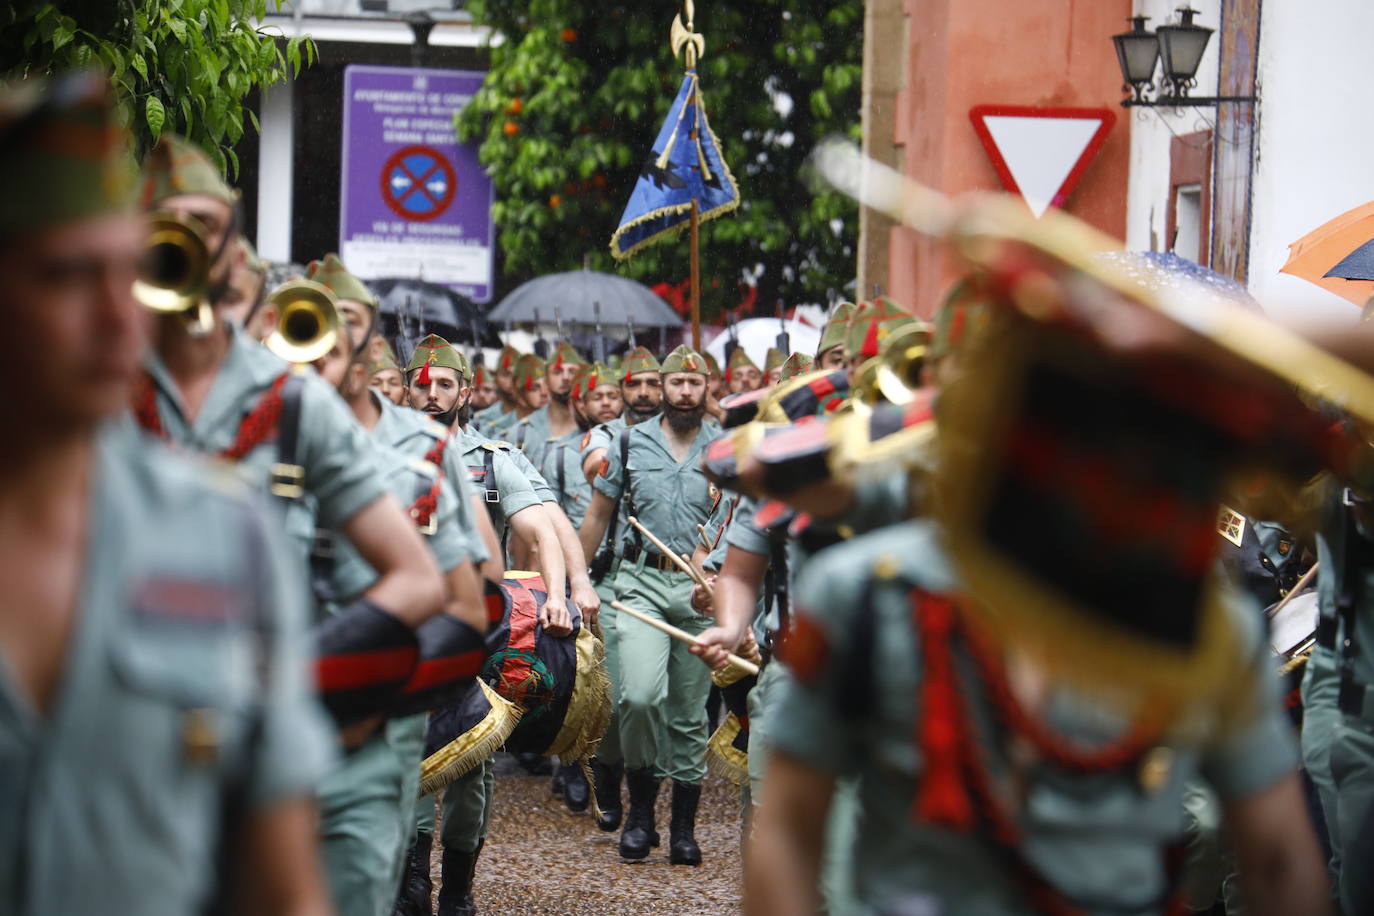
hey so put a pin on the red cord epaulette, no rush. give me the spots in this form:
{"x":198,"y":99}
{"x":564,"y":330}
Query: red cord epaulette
{"x":255,"y":428}
{"x":955,"y":790}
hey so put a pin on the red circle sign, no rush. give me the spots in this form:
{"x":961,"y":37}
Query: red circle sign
{"x":418,"y":183}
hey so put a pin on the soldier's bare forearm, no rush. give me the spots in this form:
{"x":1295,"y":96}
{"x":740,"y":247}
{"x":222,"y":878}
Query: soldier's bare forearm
{"x":782,"y":870}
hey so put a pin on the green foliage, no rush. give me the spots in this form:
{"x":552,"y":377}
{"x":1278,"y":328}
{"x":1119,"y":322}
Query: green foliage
{"x":578,"y":90}
{"x":178,"y":65}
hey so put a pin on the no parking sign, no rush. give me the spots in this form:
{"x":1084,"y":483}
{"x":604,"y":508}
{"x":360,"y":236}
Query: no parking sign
{"x":414,"y":201}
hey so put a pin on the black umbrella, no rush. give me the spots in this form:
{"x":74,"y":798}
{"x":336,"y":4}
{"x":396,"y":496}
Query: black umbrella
{"x":576,"y":297}
{"x":409,"y":309}
{"x":1358,"y":265}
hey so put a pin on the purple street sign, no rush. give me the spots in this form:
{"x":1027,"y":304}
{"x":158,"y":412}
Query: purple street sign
{"x":414,"y":201}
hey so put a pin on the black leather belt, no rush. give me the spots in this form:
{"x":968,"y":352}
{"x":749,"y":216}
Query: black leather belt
{"x":651,"y":558}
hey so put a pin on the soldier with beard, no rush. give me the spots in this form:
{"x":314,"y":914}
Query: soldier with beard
{"x":662,"y":686}
{"x":555,"y":418}
{"x":641,"y":397}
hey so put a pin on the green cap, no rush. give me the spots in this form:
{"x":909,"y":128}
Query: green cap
{"x":712,"y":364}
{"x":435,"y":351}
{"x":796,"y":364}
{"x":636,"y":361}
{"x":566,"y":355}
{"x":176,"y":166}
{"x":591,"y":377}
{"x":774,"y":359}
{"x":872,"y":323}
{"x":528,"y":369}
{"x":684,"y":359}
{"x":63,"y":156}
{"x":250,"y":257}
{"x":331,"y":272}
{"x":480,"y":375}
{"x":387,"y":360}
{"x":739,"y":359}
{"x":508,"y":358}
{"x":832,"y":335}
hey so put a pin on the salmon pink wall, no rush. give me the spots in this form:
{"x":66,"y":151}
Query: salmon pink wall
{"x":962,"y":53}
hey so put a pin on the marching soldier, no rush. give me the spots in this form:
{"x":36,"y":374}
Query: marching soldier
{"x":830,"y":351}
{"x":483,"y":389}
{"x":502,"y":410}
{"x":595,"y":399}
{"x":556,"y":417}
{"x":247,"y":285}
{"x":530,"y":393}
{"x":741,"y":373}
{"x":868,"y":326}
{"x":368,"y":803}
{"x":772,"y":366}
{"x":384,"y":375}
{"x":641,"y":398}
{"x":663,"y":688}
{"x":210,"y":389}
{"x":158,"y":739}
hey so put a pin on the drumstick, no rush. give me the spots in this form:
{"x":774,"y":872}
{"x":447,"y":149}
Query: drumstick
{"x":705,"y":540}
{"x":682,"y":564}
{"x":683,"y":636}
{"x":1302,"y":583}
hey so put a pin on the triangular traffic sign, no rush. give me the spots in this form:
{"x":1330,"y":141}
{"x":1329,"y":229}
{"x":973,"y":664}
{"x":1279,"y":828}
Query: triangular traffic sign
{"x":1041,"y":153}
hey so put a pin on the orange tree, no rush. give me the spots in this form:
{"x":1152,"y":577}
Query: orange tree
{"x":578,"y":90}
{"x":177,"y":65}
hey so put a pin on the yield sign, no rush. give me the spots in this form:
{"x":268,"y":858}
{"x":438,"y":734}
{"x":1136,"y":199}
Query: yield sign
{"x":1041,"y":153}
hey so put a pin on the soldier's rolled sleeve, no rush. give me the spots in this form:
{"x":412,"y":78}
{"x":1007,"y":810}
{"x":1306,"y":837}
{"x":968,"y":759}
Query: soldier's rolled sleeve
{"x":1256,"y":748}
{"x":599,"y":437}
{"x":811,"y":723}
{"x":513,"y":485}
{"x":296,"y":745}
{"x":742,"y":532}
{"x":611,"y":481}
{"x":536,"y":480}
{"x":340,"y":471}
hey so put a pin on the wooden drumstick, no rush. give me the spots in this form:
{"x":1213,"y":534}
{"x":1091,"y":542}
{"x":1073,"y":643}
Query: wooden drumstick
{"x":683,"y":636}
{"x":1301,"y":584}
{"x":705,"y":540}
{"x":668,"y":552}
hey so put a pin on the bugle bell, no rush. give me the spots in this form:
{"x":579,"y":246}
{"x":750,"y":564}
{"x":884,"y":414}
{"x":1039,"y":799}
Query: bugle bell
{"x":307,"y":321}
{"x":175,"y":275}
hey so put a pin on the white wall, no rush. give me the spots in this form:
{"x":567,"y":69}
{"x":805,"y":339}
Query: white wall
{"x":1316,"y":140}
{"x":1152,"y":129}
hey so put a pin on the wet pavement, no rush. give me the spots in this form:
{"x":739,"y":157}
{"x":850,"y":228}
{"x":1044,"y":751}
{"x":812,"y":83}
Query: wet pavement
{"x":541,"y":859}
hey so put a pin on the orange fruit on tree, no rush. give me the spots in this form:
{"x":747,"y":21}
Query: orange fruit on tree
{"x":510,"y":128}
{"x":516,"y":106}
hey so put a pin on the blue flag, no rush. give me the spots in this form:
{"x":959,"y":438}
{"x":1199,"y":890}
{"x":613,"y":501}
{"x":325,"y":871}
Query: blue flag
{"x":685,"y":163}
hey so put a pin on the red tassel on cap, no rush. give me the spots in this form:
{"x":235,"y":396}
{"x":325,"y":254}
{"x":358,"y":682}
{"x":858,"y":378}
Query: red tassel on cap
{"x":423,"y":378}
{"x":870,"y":347}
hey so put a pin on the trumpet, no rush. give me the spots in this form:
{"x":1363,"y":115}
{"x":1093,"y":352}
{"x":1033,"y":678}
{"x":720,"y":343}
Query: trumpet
{"x":894,"y":375}
{"x":307,"y":321}
{"x":175,"y":275}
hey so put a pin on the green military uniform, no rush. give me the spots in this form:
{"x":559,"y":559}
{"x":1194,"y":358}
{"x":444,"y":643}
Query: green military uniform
{"x":1338,"y":743}
{"x":531,"y":434}
{"x":855,"y":707}
{"x":171,"y":704}
{"x":670,"y":498}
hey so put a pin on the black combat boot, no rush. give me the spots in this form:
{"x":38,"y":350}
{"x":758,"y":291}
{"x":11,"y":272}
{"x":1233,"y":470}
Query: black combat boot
{"x":417,"y":890}
{"x":557,"y":784}
{"x":576,"y":792}
{"x":455,"y":893}
{"x":607,"y":777}
{"x":639,"y":835}
{"x":682,"y":841}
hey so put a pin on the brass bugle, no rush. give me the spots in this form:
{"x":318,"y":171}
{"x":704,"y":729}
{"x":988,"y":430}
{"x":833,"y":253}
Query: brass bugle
{"x":307,"y":321}
{"x":895,"y":373}
{"x":175,"y":275}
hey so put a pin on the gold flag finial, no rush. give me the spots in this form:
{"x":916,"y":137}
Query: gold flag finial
{"x":683,"y":36}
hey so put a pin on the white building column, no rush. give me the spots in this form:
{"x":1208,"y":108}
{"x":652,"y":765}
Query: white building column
{"x":275,"y":163}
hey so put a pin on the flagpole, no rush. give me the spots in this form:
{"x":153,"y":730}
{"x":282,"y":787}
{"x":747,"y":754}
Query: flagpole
{"x":696,"y":279}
